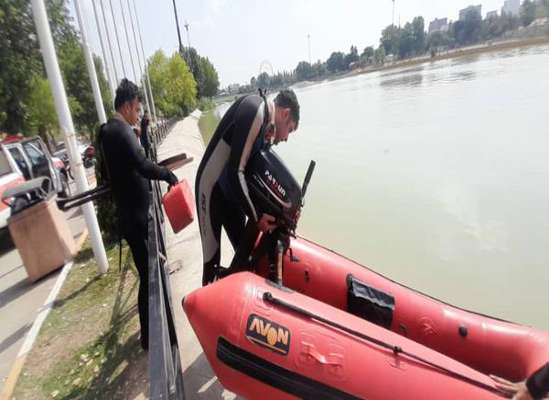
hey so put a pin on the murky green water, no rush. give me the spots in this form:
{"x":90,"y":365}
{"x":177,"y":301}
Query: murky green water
{"x":437,"y":176}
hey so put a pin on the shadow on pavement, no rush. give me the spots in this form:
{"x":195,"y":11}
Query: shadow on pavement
{"x":201,"y":383}
{"x":14,"y":337}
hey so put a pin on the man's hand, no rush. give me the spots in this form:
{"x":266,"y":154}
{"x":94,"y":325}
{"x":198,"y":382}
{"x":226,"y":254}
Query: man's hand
{"x":519,"y":391}
{"x":171,"y":178}
{"x":266,"y":223}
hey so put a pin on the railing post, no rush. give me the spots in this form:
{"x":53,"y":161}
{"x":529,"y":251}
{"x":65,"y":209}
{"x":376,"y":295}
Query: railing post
{"x":165,"y":374}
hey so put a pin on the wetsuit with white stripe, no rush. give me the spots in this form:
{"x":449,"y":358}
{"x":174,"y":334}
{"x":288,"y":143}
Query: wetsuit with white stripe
{"x":222,"y":195}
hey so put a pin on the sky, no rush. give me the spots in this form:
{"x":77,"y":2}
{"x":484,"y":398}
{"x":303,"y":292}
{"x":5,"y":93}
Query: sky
{"x":245,"y":37}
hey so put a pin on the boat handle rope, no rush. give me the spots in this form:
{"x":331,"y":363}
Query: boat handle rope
{"x":268,"y":297}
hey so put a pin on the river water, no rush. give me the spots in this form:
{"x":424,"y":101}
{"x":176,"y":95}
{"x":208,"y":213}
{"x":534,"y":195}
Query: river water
{"x":436,"y":176}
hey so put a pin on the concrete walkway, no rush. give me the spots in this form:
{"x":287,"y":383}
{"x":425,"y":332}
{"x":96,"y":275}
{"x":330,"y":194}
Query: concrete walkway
{"x":185,"y":262}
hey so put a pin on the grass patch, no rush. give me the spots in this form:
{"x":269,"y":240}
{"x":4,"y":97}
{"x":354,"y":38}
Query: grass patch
{"x":208,"y":123}
{"x":88,"y":347}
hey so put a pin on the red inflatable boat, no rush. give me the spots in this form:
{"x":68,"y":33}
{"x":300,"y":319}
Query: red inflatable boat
{"x":342,"y":331}
{"x":333,"y":329}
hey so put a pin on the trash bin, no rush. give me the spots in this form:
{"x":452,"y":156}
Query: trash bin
{"x":42,"y":237}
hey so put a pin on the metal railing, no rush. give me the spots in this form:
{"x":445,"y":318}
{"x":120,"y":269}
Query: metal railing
{"x":165,"y":374}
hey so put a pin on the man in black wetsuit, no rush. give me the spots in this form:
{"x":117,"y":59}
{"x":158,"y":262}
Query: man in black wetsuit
{"x":536,"y":387}
{"x":129,"y":171}
{"x":222,"y":196}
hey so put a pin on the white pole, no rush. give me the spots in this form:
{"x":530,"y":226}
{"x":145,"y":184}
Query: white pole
{"x":118,"y":40}
{"x":67,"y":127}
{"x":109,"y":42}
{"x":146,"y":65}
{"x":105,"y":59}
{"x":91,"y":67}
{"x":128,"y":40}
{"x":145,"y":91}
{"x":150,"y":91}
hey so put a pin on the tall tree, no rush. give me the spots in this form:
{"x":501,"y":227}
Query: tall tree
{"x":406,"y":43}
{"x":351,"y":57}
{"x":173,"y":84}
{"x":368,"y":55}
{"x":379,"y":55}
{"x":390,"y":38}
{"x":263,"y":80}
{"x":304,"y":71}
{"x":19,"y":62}
{"x":527,"y":12}
{"x":203,"y":72}
{"x":418,"y":30}
{"x":336,"y":62}
{"x":41,"y":116}
{"x":210,"y":84}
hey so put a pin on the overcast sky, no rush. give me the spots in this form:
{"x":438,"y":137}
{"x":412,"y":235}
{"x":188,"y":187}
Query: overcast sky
{"x":238,"y":35}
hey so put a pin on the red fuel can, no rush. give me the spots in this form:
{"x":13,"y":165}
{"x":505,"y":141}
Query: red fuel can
{"x":179,"y":205}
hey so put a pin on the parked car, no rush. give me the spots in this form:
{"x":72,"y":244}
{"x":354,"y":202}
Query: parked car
{"x":87,"y":154}
{"x":33,"y":159}
{"x":10,"y":176}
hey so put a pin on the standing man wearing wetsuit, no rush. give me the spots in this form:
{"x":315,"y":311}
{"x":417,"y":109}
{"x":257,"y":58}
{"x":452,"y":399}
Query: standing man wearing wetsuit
{"x":129,"y":172}
{"x":222,"y":196}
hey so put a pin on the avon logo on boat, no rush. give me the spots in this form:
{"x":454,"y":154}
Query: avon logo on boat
{"x":274,"y":183}
{"x":268,"y":334}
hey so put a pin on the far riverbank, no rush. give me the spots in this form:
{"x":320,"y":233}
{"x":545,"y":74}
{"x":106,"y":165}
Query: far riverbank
{"x":455,"y":53}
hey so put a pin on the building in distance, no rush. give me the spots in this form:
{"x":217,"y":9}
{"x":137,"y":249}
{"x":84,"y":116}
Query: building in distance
{"x":492,"y":14}
{"x":511,"y":7}
{"x":471,"y":9}
{"x":438,"y":25}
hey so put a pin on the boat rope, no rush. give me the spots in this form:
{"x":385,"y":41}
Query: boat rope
{"x":397,"y":350}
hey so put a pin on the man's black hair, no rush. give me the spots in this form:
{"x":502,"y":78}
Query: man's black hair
{"x":127,"y":91}
{"x":287,"y":99}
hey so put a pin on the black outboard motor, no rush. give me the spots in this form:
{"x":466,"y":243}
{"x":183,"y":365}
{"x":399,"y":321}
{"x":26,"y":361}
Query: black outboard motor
{"x":274,"y":191}
{"x":273,"y":188}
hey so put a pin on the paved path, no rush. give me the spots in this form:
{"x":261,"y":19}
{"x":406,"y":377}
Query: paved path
{"x":20,"y":300}
{"x":185,"y":262}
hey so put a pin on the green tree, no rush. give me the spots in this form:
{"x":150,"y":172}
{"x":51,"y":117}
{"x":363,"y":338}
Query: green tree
{"x":22,"y":61}
{"x":336,"y":62}
{"x":390,"y":38}
{"x":173,"y":85}
{"x":304,"y":71}
{"x":418,"y":31}
{"x":379,"y":55}
{"x":77,"y":84}
{"x":203,"y":72}
{"x":41,"y":117}
{"x":210,"y":85}
{"x":406,"y":43}
{"x":496,"y":27}
{"x":527,"y":12}
{"x":437,"y":40}
{"x":368,"y":55}
{"x":19,"y":63}
{"x":263,"y":80}
{"x":319,"y":69}
{"x":103,"y":86}
{"x":351,"y":57}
